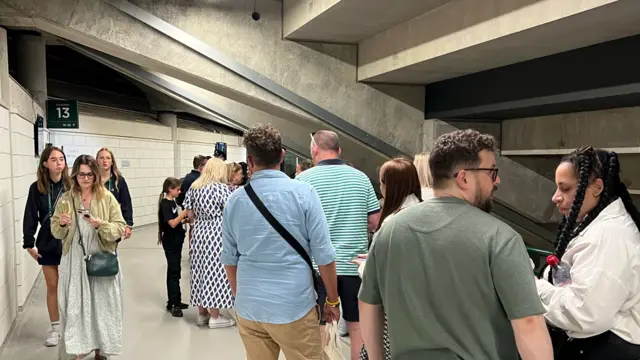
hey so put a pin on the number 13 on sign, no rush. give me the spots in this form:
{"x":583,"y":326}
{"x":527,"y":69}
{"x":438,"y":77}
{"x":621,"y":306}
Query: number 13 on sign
{"x":63,"y":112}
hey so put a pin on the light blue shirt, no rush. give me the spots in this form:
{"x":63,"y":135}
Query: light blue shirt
{"x":274,"y":284}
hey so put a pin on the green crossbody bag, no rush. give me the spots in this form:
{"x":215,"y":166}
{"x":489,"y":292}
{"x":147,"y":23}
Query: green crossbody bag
{"x":103,"y":264}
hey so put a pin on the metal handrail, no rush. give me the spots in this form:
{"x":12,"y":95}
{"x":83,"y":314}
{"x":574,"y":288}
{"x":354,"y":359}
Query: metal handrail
{"x":535,"y":251}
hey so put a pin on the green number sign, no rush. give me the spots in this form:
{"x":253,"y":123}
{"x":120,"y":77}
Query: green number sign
{"x":62,"y":114}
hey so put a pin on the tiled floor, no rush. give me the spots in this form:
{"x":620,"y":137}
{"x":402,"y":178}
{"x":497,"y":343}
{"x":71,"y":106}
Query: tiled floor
{"x":149,"y":331}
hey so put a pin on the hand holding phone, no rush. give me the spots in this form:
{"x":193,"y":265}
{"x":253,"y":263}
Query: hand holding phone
{"x":86,"y":215}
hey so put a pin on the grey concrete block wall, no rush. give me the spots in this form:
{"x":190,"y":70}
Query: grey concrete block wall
{"x":605,"y":128}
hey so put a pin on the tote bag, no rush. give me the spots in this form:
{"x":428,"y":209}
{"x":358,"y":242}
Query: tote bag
{"x":331,"y":349}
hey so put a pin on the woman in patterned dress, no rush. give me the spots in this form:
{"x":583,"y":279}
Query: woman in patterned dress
{"x":205,"y":201}
{"x":400,"y":187}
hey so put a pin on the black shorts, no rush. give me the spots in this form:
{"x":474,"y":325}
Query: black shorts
{"x":348,"y":288}
{"x":49,"y":259}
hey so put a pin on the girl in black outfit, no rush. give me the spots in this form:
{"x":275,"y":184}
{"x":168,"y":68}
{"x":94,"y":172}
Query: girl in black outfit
{"x":115,"y":183}
{"x":171,"y":234}
{"x":52,"y":181}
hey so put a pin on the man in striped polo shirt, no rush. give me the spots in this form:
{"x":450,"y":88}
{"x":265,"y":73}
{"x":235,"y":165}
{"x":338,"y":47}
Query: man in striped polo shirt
{"x":352,"y":209}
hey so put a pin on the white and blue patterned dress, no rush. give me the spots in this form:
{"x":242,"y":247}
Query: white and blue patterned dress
{"x":209,"y":284}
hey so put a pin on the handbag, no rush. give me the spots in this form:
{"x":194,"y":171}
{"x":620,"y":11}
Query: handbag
{"x":331,"y":347}
{"x":286,"y":235}
{"x":103,"y":264}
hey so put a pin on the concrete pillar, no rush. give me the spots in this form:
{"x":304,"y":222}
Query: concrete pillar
{"x":32,"y":70}
{"x":170,"y":119}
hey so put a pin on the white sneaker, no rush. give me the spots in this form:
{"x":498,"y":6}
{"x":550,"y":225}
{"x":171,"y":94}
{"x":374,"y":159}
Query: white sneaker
{"x":203,"y":319}
{"x":53,"y":339}
{"x":220,"y":322}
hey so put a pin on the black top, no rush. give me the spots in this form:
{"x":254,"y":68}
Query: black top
{"x":121,"y":193}
{"x":168,"y":211}
{"x":186,"y":185}
{"x":38,"y":210}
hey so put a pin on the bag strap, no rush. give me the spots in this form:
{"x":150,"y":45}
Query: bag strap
{"x":286,"y":235}
{"x":75,"y":213}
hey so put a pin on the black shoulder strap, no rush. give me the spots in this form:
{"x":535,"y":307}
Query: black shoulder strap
{"x":277,"y":226}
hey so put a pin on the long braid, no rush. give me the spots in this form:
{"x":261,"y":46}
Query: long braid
{"x":621,"y":189}
{"x":564,"y":237}
{"x":608,"y":195}
{"x":583,"y":165}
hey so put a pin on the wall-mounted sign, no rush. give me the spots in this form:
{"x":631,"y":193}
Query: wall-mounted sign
{"x":220,"y":151}
{"x":62,"y":114}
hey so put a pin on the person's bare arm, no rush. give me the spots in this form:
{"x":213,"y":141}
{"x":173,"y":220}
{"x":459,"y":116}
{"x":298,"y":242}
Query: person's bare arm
{"x":372,"y":221}
{"x":330,"y":280}
{"x":231,"y":275}
{"x":532,"y":338}
{"x":371,"y":325}
{"x":176,"y":221}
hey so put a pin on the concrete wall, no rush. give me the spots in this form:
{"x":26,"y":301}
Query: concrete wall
{"x":8,"y":288}
{"x":144,"y":151}
{"x":323,"y":73}
{"x":194,"y":142}
{"x":18,"y":271}
{"x":24,"y":164}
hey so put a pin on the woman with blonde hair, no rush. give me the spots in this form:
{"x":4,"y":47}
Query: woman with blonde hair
{"x":235,"y":174}
{"x":89,"y":221}
{"x":113,"y":180}
{"x":421,"y":162}
{"x":205,"y":202}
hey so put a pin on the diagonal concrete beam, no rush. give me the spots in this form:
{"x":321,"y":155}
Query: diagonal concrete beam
{"x":237,"y":115}
{"x":323,"y":74}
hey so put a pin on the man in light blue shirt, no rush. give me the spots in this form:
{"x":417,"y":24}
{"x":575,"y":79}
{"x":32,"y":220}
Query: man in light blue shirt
{"x":272,"y":283}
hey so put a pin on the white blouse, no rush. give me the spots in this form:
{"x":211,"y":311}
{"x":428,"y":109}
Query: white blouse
{"x":604,"y":292}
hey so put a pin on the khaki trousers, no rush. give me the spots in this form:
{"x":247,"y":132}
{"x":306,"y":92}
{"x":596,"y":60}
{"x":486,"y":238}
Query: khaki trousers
{"x":299,"y":340}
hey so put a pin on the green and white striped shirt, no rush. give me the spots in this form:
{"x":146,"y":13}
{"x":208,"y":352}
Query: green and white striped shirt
{"x":347,"y":199}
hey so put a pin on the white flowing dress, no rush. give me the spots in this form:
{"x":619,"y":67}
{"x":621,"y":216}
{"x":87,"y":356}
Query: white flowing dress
{"x":90,"y":307}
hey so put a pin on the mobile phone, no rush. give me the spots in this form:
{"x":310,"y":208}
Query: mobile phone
{"x":85,"y":213}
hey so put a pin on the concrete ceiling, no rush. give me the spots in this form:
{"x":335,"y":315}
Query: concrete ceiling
{"x":467,"y":36}
{"x":348,"y":21}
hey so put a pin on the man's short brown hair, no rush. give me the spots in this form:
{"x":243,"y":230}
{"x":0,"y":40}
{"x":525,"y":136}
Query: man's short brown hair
{"x":461,"y":147}
{"x":264,"y":144}
{"x":199,"y":160}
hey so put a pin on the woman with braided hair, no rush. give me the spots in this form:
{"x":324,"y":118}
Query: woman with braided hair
{"x":591,"y":289}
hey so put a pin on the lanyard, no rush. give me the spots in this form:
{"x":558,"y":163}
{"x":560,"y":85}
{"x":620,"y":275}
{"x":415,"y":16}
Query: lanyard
{"x":110,"y":184}
{"x":53,"y":206}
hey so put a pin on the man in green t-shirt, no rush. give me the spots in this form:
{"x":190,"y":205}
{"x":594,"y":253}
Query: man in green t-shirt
{"x":455,"y":282}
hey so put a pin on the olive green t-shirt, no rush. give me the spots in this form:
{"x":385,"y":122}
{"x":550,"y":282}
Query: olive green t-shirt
{"x":450,"y":278}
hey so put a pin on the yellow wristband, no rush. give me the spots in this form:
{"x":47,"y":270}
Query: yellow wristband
{"x":334,"y":304}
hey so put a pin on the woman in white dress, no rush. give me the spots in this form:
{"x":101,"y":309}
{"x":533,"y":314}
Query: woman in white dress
{"x":88,"y":220}
{"x":205,"y":202}
{"x":400,"y":187}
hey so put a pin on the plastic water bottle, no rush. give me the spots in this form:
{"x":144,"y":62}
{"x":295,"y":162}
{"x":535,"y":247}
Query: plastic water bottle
{"x":561,"y":273}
